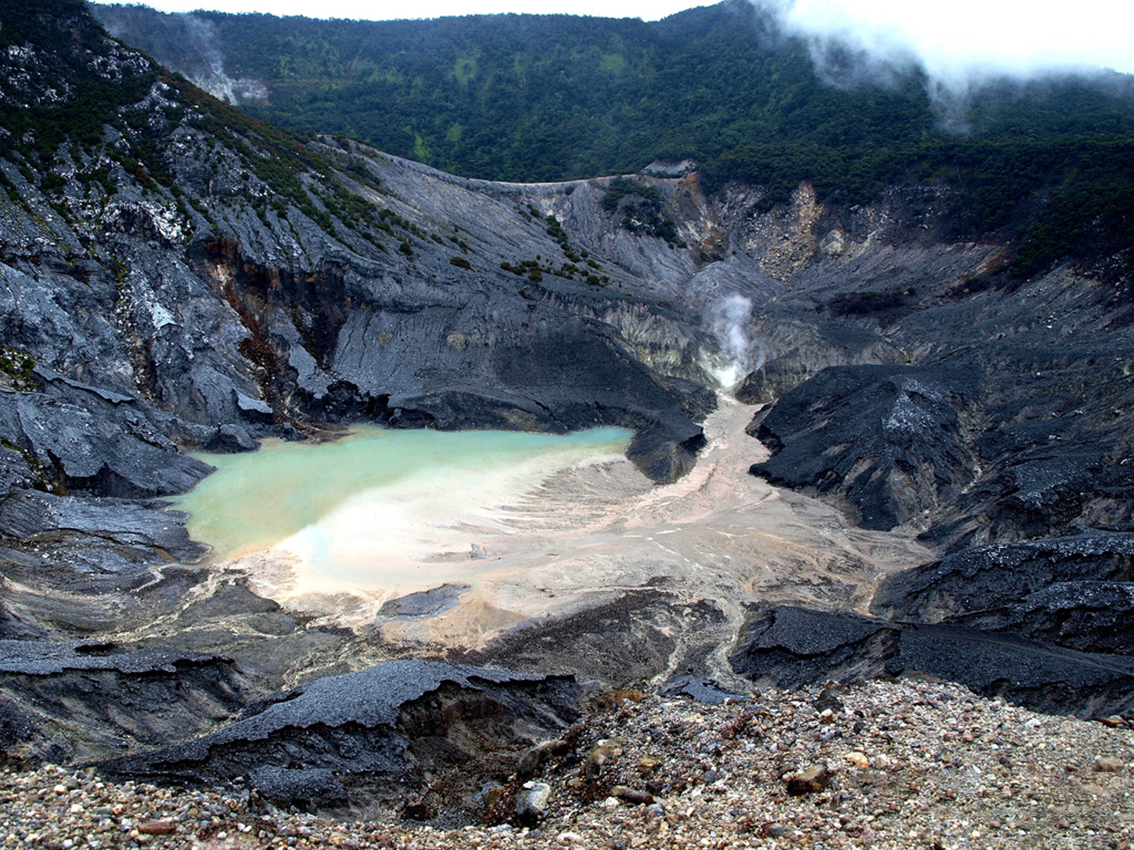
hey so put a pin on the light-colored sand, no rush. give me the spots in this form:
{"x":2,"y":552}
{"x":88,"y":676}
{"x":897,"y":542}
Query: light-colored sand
{"x":586,"y":534}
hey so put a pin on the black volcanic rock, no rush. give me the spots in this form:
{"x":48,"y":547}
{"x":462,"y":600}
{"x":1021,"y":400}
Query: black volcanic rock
{"x":1075,"y":591}
{"x":364,"y":739}
{"x":888,"y":440}
{"x":81,"y":698}
{"x":790,"y":646}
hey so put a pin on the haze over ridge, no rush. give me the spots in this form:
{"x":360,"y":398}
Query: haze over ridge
{"x":953,"y":43}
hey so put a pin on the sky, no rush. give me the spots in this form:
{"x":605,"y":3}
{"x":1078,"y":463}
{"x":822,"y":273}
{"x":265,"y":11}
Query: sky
{"x":953,"y":38}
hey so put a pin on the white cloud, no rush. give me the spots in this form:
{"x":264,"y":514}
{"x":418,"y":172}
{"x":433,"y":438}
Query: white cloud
{"x":958,"y":38}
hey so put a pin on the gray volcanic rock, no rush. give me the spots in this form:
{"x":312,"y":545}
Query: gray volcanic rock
{"x":368,"y":739}
{"x":13,"y":626}
{"x":45,"y":658}
{"x":628,"y":638}
{"x":102,"y":698}
{"x":1075,"y":591}
{"x":127,"y":522}
{"x":888,"y":439}
{"x":789,"y":646}
{"x":96,"y":439}
{"x":424,"y":603}
{"x":699,"y":690}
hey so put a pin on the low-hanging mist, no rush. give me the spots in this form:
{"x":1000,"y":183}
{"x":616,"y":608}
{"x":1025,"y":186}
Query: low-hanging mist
{"x":969,"y":41}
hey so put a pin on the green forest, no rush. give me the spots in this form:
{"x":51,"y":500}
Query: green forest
{"x":556,"y":97}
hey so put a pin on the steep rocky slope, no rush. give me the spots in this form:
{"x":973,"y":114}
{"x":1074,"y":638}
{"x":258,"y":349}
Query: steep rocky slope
{"x":185,"y":278}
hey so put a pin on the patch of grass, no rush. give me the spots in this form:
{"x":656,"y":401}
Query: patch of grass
{"x":17,"y":366}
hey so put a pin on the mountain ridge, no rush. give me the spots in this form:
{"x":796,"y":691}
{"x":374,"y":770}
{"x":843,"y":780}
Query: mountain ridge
{"x":552,"y":97}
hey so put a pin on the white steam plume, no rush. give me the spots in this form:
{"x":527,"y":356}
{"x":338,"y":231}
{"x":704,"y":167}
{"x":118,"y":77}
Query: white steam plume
{"x":738,"y":354}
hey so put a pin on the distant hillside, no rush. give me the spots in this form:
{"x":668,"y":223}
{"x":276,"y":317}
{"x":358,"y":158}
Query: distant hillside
{"x":528,"y":98}
{"x":525,"y":97}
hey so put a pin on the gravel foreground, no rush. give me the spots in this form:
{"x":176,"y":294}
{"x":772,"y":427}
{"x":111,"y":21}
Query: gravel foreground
{"x":880,"y":765}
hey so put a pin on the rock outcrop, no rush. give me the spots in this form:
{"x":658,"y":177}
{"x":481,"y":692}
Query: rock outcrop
{"x":1075,"y":591}
{"x":402,"y":733}
{"x":789,"y":646}
{"x":889,"y":440}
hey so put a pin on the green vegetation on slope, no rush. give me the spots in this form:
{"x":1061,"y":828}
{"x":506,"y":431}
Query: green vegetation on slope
{"x":101,"y":79}
{"x":521,"y":97}
{"x":84,"y":113}
{"x":1060,"y":196}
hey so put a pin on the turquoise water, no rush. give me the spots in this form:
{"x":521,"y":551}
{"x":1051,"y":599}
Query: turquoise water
{"x":375,"y":493}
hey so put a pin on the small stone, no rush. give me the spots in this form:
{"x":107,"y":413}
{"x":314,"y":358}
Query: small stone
{"x":1108,"y":764}
{"x":569,"y":838}
{"x":532,"y":802}
{"x":809,"y":781}
{"x":493,"y":794}
{"x":632,"y":795}
{"x":538,"y":755}
{"x":857,"y":759}
{"x":647,"y":764}
{"x":157,"y":827}
{"x":600,"y":754}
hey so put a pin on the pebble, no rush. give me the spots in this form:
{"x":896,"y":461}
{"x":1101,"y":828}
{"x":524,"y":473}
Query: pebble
{"x":532,"y":801}
{"x":157,"y":827}
{"x":810,"y":780}
{"x":901,"y":776}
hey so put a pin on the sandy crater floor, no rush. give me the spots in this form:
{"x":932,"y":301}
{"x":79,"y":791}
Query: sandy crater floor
{"x":582,"y":535}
